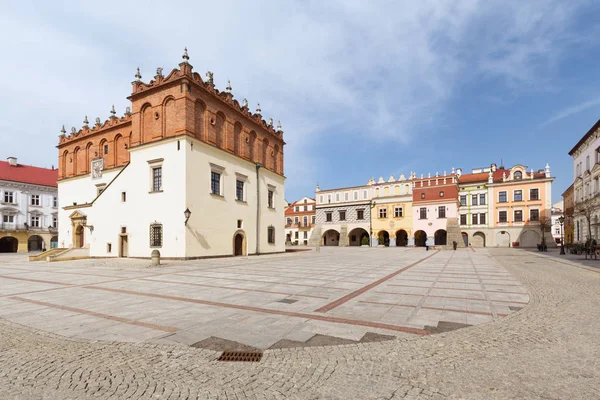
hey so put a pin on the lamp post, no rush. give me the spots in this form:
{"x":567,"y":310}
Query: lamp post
{"x":371,"y":205}
{"x":187,"y":213}
{"x":561,"y":220}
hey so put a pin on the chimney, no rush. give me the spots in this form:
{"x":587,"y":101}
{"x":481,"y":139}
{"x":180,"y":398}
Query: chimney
{"x":12,"y":161}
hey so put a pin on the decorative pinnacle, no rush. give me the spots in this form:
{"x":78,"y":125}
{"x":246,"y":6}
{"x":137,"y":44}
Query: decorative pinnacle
{"x":98,"y":121}
{"x":185,"y":56}
{"x":210,"y":78}
{"x":159,"y":71}
{"x":85,"y":121}
{"x":258,"y":110}
{"x":73,"y":130}
{"x":112,"y":111}
{"x":138,"y":76}
{"x":279,"y":126}
{"x":228,"y":88}
{"x":245,"y":103}
{"x":63,"y":130}
{"x":127,"y":110}
{"x":271,"y":122}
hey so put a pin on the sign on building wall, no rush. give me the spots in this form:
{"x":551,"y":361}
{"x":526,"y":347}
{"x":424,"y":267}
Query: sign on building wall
{"x":97,"y":167}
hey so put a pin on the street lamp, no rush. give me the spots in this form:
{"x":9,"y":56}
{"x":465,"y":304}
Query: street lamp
{"x":187,"y":213}
{"x":561,"y":220}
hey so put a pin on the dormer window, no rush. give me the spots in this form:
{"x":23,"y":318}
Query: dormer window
{"x":518,"y":175}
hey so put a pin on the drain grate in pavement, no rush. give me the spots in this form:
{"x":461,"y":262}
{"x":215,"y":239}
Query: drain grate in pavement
{"x":251,"y":356}
{"x":287,"y":301}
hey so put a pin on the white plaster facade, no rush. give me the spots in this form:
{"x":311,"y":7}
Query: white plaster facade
{"x":118,"y":220}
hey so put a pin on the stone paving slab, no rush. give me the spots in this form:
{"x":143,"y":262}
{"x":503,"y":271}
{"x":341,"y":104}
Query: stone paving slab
{"x":259,"y":301}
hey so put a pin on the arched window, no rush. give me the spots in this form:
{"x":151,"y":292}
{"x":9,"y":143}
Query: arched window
{"x":518,"y":175}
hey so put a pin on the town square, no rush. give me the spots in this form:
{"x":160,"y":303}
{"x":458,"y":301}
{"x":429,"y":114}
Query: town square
{"x":334,"y":200}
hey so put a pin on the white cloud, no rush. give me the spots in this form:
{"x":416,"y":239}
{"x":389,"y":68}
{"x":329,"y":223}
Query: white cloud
{"x":386,"y":71}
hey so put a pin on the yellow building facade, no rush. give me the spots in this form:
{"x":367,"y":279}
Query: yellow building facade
{"x":391,"y":213}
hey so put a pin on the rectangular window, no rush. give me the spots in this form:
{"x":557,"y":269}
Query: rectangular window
{"x":534,"y":215}
{"x":518,"y":195}
{"x":271,"y":235}
{"x":423,"y":213}
{"x":383,"y":212}
{"x":156,"y":179}
{"x":9,"y":197}
{"x":314,"y":219}
{"x":346,"y":196}
{"x":123,"y":197}
{"x":156,"y":235}
{"x":355,"y":195}
{"x":481,"y":219}
{"x":55,"y":222}
{"x":534,"y":194}
{"x":502,"y":216}
{"x":342,"y":215}
{"x":105,"y":149}
{"x":329,"y":216}
{"x":463,"y":200}
{"x":35,"y":199}
{"x":365,"y":194}
{"x":296,"y":235}
{"x":518,"y":216}
{"x":474,"y":219}
{"x":55,"y":202}
{"x":239,"y":190}
{"x":305,"y":220}
{"x":337,"y":197}
{"x":360,"y":214}
{"x":108,"y":247}
{"x":482,"y":199}
{"x":474,"y":200}
{"x":398,"y":212}
{"x":328,"y":199}
{"x":296,"y":209}
{"x":442,"y":212}
{"x":321,"y":199}
{"x":502,"y":197}
{"x":270,"y":197}
{"x":463,"y":219}
{"x":8,"y":219}
{"x":240,"y":223}
{"x":296,"y":220}
{"x":35,"y":221}
{"x":215,"y":183}
{"x":305,"y":235}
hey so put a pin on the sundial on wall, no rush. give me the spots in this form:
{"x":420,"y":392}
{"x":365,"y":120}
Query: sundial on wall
{"x":97,"y":167}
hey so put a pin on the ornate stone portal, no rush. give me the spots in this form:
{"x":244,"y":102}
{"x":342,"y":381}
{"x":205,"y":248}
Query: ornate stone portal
{"x":78,"y":224}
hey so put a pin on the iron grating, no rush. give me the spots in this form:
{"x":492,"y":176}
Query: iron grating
{"x":251,"y":356}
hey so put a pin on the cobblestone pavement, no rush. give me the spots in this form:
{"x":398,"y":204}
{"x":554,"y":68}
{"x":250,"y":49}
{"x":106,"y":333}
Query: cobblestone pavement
{"x":547,"y":350}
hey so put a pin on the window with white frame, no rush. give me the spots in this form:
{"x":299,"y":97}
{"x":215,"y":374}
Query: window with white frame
{"x":474,"y":219}
{"x":55,"y":202}
{"x":360,"y":214}
{"x":463,"y":200}
{"x":398,"y":212}
{"x":355,"y":195}
{"x":215,"y":183}
{"x":482,"y":219}
{"x":271,"y":234}
{"x":342,"y":215}
{"x":502,"y":216}
{"x":474,"y":200}
{"x":518,"y":195}
{"x":534,"y":194}
{"x":296,"y":209}
{"x":9,"y":197}
{"x":271,"y":198}
{"x":157,"y":179}
{"x":35,"y":199}
{"x":482,"y":199}
{"x":423,"y":213}
{"x":329,"y":216}
{"x":305,"y":235}
{"x":239,"y":190}
{"x":365,"y":194}
{"x":442,"y":212}
{"x":329,"y":198}
{"x":314,"y":219}
{"x":35,"y":221}
{"x":296,"y":220}
{"x":383,"y":212}
{"x":289,"y":221}
{"x":156,"y":235}
{"x":346,"y":196}
{"x":337,"y":197}
{"x":534,"y":215}
{"x":54,"y":221}
{"x":502,"y":197}
{"x":518,"y":216}
{"x":321,"y":199}
{"x":8,"y":219}
{"x":305,"y":220}
{"x":463,"y":219}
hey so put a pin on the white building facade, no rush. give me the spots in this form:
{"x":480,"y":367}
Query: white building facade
{"x":197,"y":176}
{"x":586,"y":187}
{"x":28,"y":207}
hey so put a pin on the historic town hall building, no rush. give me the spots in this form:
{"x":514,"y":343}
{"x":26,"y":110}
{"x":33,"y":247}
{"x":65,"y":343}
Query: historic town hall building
{"x":187,"y":170}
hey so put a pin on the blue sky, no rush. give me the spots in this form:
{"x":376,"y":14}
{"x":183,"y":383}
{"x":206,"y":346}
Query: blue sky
{"x":362,"y":89}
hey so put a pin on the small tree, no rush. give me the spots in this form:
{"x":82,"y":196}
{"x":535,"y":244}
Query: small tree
{"x":545,"y":226}
{"x":365,"y":241}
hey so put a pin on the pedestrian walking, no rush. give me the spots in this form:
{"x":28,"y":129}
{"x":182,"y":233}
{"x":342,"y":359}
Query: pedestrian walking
{"x":427,"y":244}
{"x":454,"y":244}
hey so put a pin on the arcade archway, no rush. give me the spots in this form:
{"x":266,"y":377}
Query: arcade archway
{"x":420,"y":238}
{"x":401,"y":238}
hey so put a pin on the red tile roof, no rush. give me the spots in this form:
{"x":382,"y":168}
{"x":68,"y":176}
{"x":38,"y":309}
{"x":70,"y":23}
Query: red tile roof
{"x":28,"y":174}
{"x":469,"y":178}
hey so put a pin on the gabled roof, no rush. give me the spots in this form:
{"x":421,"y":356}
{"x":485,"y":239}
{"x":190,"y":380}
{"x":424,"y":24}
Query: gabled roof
{"x":28,"y":174}
{"x":585,"y":137}
{"x":471,"y":178}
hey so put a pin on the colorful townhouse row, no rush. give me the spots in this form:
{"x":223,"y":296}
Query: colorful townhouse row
{"x":489,"y":207}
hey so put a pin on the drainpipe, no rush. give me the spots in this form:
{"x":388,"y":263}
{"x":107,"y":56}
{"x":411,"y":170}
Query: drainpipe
{"x":258,"y":165}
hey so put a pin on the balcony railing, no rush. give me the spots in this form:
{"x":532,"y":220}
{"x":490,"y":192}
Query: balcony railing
{"x":299,"y":225}
{"x":7,"y":226}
